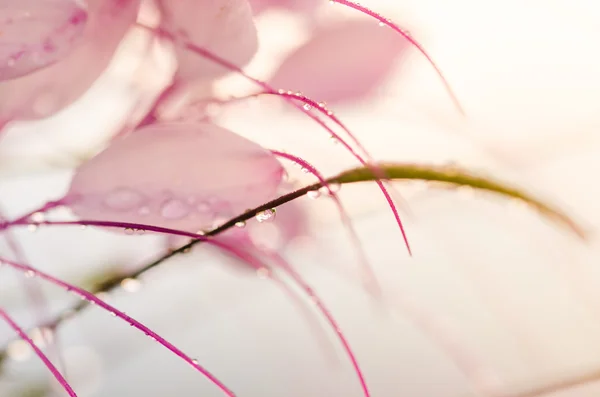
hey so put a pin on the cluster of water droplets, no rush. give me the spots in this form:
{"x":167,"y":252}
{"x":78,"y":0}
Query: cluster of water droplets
{"x":168,"y":205}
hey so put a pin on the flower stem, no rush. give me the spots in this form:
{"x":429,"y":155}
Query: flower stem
{"x":452,"y":176}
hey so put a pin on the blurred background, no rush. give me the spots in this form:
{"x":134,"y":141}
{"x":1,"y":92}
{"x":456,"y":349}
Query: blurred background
{"x":495,"y":301}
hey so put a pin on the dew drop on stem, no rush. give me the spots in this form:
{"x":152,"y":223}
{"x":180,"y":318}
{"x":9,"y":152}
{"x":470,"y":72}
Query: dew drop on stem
{"x":266,"y":215}
{"x":313,"y":194}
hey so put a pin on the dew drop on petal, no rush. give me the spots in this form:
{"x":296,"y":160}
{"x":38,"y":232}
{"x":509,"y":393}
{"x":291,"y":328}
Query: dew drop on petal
{"x":175,"y":209}
{"x":123,"y":199}
{"x":35,"y":34}
{"x":163,"y":165}
{"x":203,"y":207}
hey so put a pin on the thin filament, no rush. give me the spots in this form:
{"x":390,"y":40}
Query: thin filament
{"x":258,"y":265}
{"x":289,"y":270}
{"x":346,"y":221}
{"x":23,"y":335}
{"x":116,"y":312}
{"x":376,"y":170}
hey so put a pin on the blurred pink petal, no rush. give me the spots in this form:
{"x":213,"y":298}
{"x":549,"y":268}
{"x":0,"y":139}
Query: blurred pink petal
{"x":341,"y":62}
{"x":259,"y":6}
{"x":224,"y":27}
{"x":178,"y":175}
{"x":35,"y":34}
{"x":46,"y":91}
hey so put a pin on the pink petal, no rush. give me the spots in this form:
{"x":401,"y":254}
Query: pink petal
{"x":50,"y":89}
{"x":178,"y":175}
{"x":224,"y":27}
{"x":341,"y":62}
{"x":35,"y":34}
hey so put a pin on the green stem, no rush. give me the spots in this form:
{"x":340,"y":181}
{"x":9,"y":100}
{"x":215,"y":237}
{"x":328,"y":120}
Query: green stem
{"x":451,"y":176}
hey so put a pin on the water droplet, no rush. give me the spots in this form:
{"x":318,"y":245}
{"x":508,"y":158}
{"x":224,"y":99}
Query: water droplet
{"x":266,"y":215}
{"x":240,"y":224}
{"x":263,"y":272}
{"x":129,"y":231}
{"x":32,"y":228}
{"x":123,"y":199}
{"x":83,"y":227}
{"x":38,"y":217}
{"x":194,"y":361}
{"x":313,"y":194}
{"x":381,"y":24}
{"x":174,"y":209}
{"x":307,"y":106}
{"x":203,"y":207}
{"x":334,"y":138}
{"x":29,"y":274}
{"x":131,"y":285}
{"x":113,"y":314}
{"x":19,"y":350}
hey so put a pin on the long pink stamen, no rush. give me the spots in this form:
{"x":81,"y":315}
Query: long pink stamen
{"x":33,"y":291}
{"x":411,"y":40}
{"x":255,"y":263}
{"x":23,"y":335}
{"x":346,"y":221}
{"x":289,"y":270}
{"x":117,"y":313}
{"x":376,"y":170}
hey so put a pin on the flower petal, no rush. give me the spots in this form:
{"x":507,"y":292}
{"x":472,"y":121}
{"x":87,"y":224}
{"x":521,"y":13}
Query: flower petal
{"x":48,"y":90}
{"x":224,"y":27}
{"x":345,"y":61}
{"x":179,"y":175}
{"x":35,"y":34}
